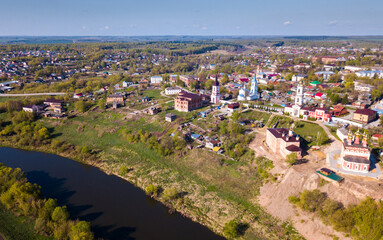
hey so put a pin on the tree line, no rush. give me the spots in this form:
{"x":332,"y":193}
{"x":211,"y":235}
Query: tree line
{"x":25,"y":199}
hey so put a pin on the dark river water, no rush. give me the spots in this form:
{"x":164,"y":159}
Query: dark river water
{"x":115,"y":208}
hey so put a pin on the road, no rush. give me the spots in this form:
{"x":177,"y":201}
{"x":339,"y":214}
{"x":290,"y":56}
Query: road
{"x":31,"y":94}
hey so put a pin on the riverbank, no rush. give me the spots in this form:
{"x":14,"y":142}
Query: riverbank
{"x":213,"y":190}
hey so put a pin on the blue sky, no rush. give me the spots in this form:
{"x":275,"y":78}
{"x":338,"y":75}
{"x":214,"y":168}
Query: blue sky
{"x":195,"y":17}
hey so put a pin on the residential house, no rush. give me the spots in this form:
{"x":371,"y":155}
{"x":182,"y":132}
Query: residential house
{"x":115,"y":98}
{"x":298,"y":77}
{"x":173,"y":78}
{"x":364,"y":115}
{"x":188,"y":79}
{"x":339,"y":110}
{"x":212,"y":143}
{"x":361,"y":87}
{"x":156,"y":80}
{"x":172,"y":90}
{"x":233,"y":106}
{"x":170,"y":117}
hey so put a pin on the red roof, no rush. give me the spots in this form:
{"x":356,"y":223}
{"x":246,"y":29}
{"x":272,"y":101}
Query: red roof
{"x":318,"y":94}
{"x":293,"y":148}
{"x":365,"y":111}
{"x":378,"y":135}
{"x":244,"y":80}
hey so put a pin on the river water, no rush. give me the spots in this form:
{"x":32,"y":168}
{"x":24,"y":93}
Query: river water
{"x":116,"y":209}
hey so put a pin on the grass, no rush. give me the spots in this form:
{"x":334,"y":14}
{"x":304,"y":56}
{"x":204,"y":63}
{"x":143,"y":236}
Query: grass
{"x":333,"y":132}
{"x":283,"y":122}
{"x":15,"y":228}
{"x":256,"y":116}
{"x":216,"y":190}
{"x":310,"y":131}
{"x":154,"y":94}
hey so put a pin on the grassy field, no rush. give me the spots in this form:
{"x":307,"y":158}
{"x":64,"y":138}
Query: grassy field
{"x":17,"y":228}
{"x":256,"y":115}
{"x":310,"y":131}
{"x":154,"y":94}
{"x":283,"y":122}
{"x":215,"y":189}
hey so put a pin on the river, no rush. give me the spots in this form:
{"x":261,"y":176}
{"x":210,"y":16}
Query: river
{"x":116,"y":208}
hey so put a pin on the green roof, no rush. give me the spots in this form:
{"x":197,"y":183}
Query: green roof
{"x":332,"y":176}
{"x":315,"y":82}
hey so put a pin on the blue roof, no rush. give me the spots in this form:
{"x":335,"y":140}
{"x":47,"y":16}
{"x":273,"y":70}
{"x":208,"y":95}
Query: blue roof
{"x":195,"y":135}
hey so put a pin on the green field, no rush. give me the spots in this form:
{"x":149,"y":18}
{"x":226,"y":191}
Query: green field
{"x":221,"y":189}
{"x":154,"y":94}
{"x":312,"y":133}
{"x":283,"y":122}
{"x":256,"y":116}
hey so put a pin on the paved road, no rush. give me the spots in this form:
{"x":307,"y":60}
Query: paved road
{"x":30,"y":94}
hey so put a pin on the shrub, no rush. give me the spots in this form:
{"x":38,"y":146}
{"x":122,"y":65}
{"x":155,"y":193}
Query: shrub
{"x":231,"y":229}
{"x":170,"y":194}
{"x":151,"y":190}
{"x":292,"y":158}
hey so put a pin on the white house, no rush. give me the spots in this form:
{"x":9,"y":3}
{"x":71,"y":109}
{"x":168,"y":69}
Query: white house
{"x":126,"y":84}
{"x":353,"y":68}
{"x":156,"y":79}
{"x":363,"y":87}
{"x":298,"y":77}
{"x":370,"y":74}
{"x":172,"y":90}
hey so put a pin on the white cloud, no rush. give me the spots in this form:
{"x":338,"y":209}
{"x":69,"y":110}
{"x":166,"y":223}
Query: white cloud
{"x":83,"y":27}
{"x":238,"y":27}
{"x":204,"y":27}
{"x":106,"y":27}
{"x":332,"y":23}
{"x":286,"y":23}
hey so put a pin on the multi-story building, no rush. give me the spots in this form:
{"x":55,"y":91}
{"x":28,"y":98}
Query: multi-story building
{"x":156,"y":79}
{"x":186,"y":102}
{"x":364,"y":115}
{"x":172,"y":90}
{"x":283,"y":141}
{"x":188,"y":79}
{"x":115,"y":99}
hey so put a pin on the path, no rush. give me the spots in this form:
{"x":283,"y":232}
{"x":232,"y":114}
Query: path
{"x":30,"y":94}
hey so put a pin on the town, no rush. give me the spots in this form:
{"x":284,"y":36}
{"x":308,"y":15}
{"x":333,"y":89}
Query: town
{"x":231,"y":117}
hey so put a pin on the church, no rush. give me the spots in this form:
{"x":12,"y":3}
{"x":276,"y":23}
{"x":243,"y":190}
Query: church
{"x":299,"y":110}
{"x":356,"y":153}
{"x":244,"y":94}
{"x":215,"y":94}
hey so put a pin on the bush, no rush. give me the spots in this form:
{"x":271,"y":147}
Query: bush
{"x":170,"y":194}
{"x":291,"y":159}
{"x":151,"y":190}
{"x":231,"y":229}
{"x":123,"y":170}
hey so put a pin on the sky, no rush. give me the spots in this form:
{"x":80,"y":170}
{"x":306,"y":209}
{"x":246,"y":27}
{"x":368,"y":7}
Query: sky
{"x":193,"y":17}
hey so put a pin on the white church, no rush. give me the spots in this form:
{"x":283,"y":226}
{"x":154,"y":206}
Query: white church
{"x":244,"y":94}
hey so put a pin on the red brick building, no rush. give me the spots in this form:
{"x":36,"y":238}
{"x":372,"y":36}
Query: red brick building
{"x":283,"y":141}
{"x":186,"y":102}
